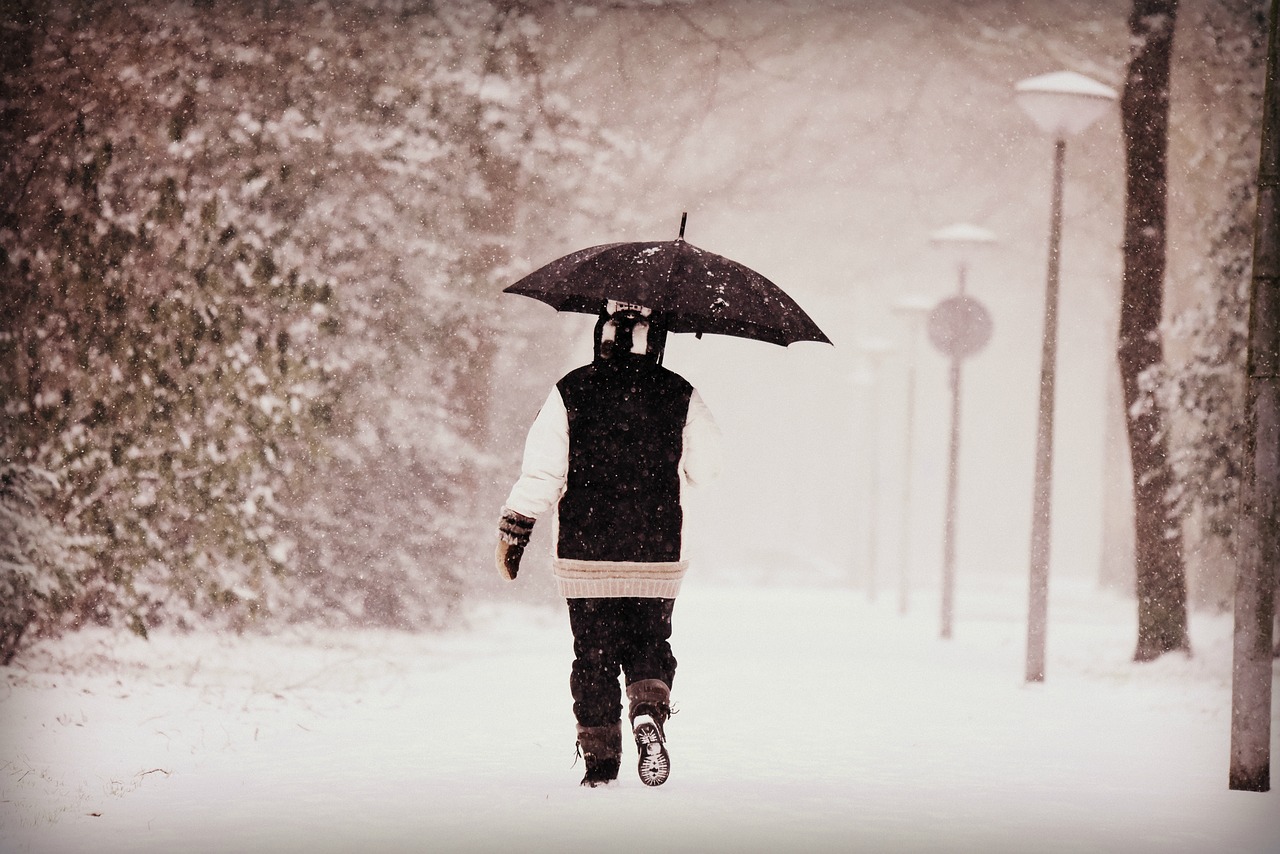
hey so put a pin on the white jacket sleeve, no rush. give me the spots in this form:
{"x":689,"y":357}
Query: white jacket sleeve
{"x":703,"y":456}
{"x":546,"y":461}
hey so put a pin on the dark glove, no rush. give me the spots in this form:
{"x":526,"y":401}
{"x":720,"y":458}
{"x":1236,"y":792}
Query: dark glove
{"x":514,"y":531}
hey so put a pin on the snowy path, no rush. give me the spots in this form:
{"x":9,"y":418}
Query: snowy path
{"x":810,"y":720}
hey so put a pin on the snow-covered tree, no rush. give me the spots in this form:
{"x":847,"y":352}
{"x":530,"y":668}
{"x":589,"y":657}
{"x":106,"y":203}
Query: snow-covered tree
{"x":1204,"y":391}
{"x":152,"y":359}
{"x":247,"y":292}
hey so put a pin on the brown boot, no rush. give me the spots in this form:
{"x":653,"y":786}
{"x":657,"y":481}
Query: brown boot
{"x":601,"y":748}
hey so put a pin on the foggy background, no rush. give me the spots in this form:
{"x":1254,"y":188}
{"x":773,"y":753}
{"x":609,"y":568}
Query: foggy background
{"x":821,"y":144}
{"x":262,"y":362}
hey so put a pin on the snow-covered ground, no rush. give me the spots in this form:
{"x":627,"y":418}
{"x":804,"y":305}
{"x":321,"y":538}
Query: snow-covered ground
{"x":809,"y":720}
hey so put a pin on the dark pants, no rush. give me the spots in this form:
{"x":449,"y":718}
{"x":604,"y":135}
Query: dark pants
{"x":610,"y":635}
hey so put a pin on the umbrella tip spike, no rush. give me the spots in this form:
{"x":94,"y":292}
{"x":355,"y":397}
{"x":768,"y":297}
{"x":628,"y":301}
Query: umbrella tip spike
{"x":684,"y":217}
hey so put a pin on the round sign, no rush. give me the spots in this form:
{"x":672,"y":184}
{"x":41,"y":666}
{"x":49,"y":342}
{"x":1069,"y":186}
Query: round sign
{"x":959,"y":326}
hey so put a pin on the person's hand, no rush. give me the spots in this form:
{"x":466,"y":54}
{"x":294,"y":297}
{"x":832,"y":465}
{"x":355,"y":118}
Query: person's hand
{"x":514,"y":531}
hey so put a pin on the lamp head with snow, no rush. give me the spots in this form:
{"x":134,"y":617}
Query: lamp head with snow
{"x":962,"y":243}
{"x":1063,"y":103}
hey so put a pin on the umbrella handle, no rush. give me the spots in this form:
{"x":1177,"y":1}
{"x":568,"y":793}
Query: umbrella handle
{"x":684,"y":217}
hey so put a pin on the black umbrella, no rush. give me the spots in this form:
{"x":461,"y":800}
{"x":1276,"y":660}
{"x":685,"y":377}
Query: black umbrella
{"x":697,"y":291}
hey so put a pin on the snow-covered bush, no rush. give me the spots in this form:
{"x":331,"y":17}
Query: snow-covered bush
{"x":40,"y":562}
{"x":248,"y":256}
{"x":1204,"y":390}
{"x":1207,"y":389}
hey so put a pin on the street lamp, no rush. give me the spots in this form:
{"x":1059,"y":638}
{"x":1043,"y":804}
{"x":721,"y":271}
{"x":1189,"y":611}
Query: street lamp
{"x":959,"y":327}
{"x":911,"y":309}
{"x":1061,"y":104}
{"x":874,"y":350}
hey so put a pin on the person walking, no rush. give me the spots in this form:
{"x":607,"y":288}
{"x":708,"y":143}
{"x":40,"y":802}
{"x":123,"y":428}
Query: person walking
{"x":612,"y":450}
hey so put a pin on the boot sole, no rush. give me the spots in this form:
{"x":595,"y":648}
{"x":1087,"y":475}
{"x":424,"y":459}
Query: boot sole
{"x":655,"y":763}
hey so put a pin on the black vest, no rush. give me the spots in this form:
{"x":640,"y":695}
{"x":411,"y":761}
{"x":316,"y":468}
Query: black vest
{"x":622,"y":497}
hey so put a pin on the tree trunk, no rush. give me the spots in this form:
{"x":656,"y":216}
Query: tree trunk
{"x":1259,"y":524}
{"x":1161,"y":575}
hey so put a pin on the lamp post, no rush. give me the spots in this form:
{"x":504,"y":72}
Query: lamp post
{"x":1061,"y":104}
{"x":874,"y":350}
{"x":959,"y":327}
{"x":912,"y":310}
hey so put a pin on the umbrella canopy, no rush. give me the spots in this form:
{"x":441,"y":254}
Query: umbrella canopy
{"x":698,"y":291}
